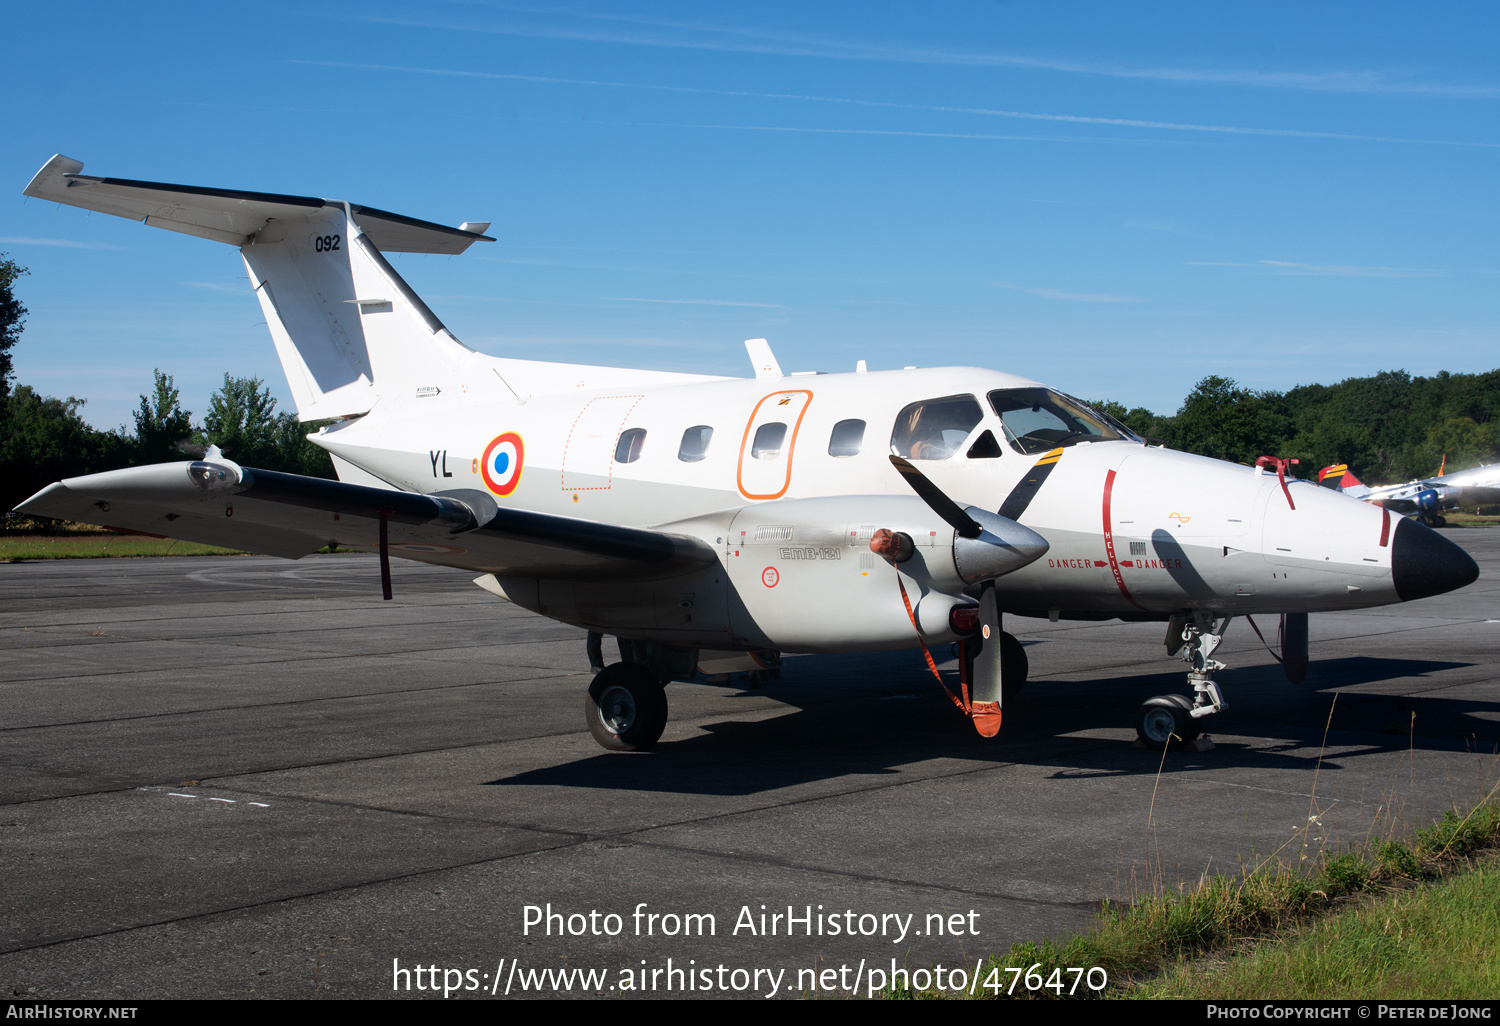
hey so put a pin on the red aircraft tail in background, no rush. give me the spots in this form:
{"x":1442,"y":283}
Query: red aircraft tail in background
{"x":1339,"y":477}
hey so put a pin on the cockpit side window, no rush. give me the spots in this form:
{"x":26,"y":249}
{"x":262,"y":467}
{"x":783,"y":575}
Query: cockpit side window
{"x":935,"y":428}
{"x":1039,"y":419}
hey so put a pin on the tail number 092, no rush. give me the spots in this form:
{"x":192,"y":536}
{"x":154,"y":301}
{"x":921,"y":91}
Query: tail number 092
{"x":326,"y":243}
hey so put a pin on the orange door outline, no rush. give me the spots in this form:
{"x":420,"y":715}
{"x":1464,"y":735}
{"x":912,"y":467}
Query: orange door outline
{"x":791,"y":445}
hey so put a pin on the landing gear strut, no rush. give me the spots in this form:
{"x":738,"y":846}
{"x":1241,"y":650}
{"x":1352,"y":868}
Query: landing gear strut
{"x":1165,"y":718}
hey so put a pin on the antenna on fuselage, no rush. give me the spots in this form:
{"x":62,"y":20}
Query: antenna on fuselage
{"x":762,"y":359}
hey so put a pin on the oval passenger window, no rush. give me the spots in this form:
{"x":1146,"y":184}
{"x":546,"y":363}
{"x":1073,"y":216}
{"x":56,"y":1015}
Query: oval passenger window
{"x":768,"y":439}
{"x":694,"y":445}
{"x":628,"y":448}
{"x":847,"y":438}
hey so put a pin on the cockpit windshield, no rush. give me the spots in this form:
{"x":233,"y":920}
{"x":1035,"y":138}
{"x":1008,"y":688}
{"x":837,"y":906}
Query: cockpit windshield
{"x":1039,"y":419}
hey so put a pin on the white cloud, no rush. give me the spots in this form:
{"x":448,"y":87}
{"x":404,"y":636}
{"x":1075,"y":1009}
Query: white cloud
{"x":1072,"y":119}
{"x":1070,"y":297}
{"x":696,"y":35}
{"x":1295,"y":269}
{"x":694,"y":302}
{"x":17,"y":240}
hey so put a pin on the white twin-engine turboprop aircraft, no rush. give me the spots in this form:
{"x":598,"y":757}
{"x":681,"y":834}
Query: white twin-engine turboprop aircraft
{"x":711,"y":523}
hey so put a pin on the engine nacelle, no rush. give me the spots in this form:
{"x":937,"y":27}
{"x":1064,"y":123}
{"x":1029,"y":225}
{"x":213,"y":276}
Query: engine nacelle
{"x":798,"y":575}
{"x":803,"y":577}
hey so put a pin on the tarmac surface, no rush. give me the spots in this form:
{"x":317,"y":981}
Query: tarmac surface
{"x":247,"y":777}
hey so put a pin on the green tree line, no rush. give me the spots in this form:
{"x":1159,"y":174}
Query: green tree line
{"x":44,"y":439}
{"x":1388,"y":427}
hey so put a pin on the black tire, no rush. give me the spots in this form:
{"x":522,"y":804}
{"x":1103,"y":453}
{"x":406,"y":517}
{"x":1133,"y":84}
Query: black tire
{"x":1014,"y":667}
{"x":1163,"y":716}
{"x":626,"y":708}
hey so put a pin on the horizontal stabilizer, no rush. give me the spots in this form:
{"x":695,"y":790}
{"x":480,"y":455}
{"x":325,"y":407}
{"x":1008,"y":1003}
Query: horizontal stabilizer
{"x":232,"y":216}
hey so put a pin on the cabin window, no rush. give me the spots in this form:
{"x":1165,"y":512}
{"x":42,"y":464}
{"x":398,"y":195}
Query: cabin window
{"x":768,"y":439}
{"x":628,"y":448}
{"x":934,"y":428}
{"x":1039,"y":420}
{"x":847,"y":438}
{"x":694,"y":445}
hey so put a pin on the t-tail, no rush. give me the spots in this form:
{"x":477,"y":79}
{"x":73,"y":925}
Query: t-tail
{"x":349,"y":330}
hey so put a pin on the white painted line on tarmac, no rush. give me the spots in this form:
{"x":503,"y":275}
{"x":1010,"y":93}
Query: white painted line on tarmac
{"x":210,"y":576}
{"x":1268,"y":790}
{"x":226,"y":801}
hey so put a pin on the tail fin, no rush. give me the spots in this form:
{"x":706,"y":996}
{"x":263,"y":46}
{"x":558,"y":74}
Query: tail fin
{"x":347,"y":328}
{"x":1339,"y":477}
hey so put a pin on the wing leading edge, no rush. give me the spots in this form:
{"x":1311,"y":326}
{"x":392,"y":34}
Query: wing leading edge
{"x":217,"y":502}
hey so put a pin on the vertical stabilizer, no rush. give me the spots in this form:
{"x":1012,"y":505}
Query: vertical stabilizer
{"x":1340,"y":478}
{"x":349,"y":331}
{"x":347,"y":327}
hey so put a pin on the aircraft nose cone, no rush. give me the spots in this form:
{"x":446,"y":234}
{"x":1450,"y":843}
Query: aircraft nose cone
{"x":1425,"y":563}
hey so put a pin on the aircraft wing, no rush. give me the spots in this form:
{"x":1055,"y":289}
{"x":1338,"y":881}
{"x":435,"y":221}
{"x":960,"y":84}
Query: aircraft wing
{"x":221,"y":503}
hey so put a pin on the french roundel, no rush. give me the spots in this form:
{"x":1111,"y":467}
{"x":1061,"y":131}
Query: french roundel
{"x":501,"y":463}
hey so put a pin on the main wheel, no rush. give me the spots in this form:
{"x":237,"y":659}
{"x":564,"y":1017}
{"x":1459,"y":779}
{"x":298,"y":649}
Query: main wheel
{"x":1013,"y":665}
{"x":1159,"y":718}
{"x":626,"y":708}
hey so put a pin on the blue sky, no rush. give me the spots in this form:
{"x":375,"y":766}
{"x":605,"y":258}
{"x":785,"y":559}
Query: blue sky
{"x":1116,"y":199}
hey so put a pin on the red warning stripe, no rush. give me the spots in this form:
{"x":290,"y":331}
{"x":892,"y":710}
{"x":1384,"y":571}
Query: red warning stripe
{"x":1385,"y":527}
{"x":1109,"y":543}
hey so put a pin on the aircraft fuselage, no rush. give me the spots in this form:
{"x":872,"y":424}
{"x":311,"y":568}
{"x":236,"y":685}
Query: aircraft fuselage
{"x":1134,"y":531}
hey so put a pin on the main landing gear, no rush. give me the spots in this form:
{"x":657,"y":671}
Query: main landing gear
{"x":626,"y":707}
{"x":1174,"y":718}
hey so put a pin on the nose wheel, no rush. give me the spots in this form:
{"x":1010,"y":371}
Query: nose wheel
{"x":1174,"y":719}
{"x":1165,"y":719}
{"x":626,"y":708}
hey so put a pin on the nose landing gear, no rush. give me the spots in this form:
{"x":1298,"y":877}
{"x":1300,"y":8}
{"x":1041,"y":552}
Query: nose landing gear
{"x":1166,"y":718}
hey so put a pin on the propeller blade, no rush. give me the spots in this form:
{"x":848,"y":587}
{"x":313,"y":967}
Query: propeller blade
{"x":1294,"y":646}
{"x":988,"y":675}
{"x":943,"y":506}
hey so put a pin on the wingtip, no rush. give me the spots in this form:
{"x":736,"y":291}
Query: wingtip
{"x":56,"y":167}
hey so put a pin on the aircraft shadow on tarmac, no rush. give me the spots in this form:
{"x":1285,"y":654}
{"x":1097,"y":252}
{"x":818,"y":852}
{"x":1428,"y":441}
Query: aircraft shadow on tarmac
{"x":877,"y":716}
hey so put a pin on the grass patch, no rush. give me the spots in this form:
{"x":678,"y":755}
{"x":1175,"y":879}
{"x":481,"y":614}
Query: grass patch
{"x":78,"y":545}
{"x":1432,"y":941}
{"x":1389,"y":899}
{"x":1457,"y":519}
